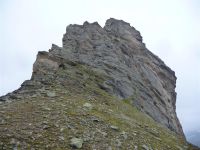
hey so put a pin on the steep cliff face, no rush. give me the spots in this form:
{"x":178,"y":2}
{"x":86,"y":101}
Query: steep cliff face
{"x":117,"y":51}
{"x":126,"y":68}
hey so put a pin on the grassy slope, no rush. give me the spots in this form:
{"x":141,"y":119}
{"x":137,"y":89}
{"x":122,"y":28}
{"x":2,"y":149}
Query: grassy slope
{"x":44,"y":122}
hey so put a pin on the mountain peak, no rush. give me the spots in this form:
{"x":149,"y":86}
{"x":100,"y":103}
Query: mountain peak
{"x":122,"y":29}
{"x":109,"y":67}
{"x":117,"y":51}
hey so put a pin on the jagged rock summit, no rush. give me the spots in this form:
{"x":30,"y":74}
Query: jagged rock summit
{"x":112,"y":60}
{"x":118,"y":52}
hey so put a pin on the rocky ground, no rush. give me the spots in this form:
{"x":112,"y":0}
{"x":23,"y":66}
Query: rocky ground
{"x":102,"y":90}
{"x":79,"y":115}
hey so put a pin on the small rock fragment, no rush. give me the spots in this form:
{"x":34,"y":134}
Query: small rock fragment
{"x":118,"y":143}
{"x":45,"y":127}
{"x":135,"y":147}
{"x":47,"y":108}
{"x":114,"y":128}
{"x":2,"y":122}
{"x":134,"y":133}
{"x":95,"y":119}
{"x":103,"y":133}
{"x":51,"y":94}
{"x":109,"y":148}
{"x":145,"y":147}
{"x":61,"y":138}
{"x":14,"y":144}
{"x":124,"y":134}
{"x":62,"y":129}
{"x":76,"y":142}
{"x":87,"y":105}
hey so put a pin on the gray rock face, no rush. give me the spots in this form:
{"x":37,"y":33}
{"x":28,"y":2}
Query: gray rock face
{"x":117,"y":51}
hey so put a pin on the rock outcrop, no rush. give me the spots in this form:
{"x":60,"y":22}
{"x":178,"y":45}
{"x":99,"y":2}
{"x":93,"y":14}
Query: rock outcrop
{"x":116,"y":51}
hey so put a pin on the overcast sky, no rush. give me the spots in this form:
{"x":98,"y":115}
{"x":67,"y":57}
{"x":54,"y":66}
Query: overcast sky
{"x":170,"y":29}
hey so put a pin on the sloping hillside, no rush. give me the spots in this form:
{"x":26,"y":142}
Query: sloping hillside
{"x":50,"y":116}
{"x":103,"y":89}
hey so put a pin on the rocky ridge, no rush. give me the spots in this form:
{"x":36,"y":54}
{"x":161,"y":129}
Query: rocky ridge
{"x":117,"y":51}
{"x":100,"y":64}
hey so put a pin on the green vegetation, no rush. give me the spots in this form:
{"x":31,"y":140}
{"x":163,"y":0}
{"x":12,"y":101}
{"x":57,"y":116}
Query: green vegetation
{"x":44,"y":122}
